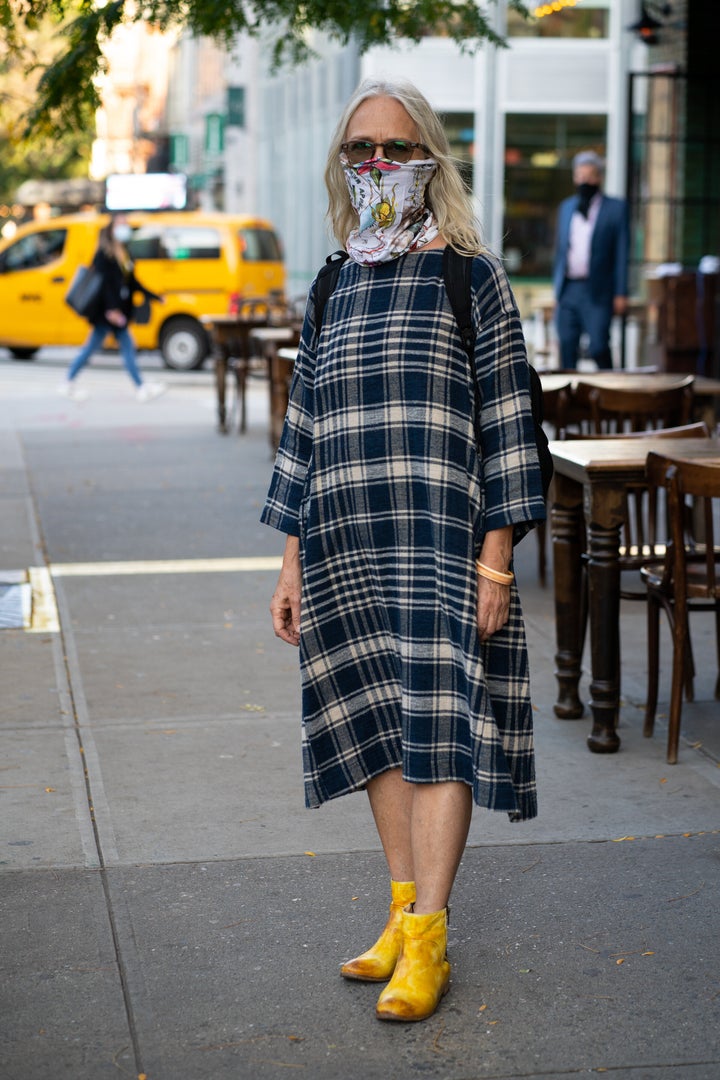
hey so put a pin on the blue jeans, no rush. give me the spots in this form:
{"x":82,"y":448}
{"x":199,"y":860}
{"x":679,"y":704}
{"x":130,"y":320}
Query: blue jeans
{"x":578,"y":313}
{"x":93,"y":343}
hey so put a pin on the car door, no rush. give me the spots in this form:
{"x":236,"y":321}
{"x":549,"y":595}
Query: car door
{"x":33,"y":284}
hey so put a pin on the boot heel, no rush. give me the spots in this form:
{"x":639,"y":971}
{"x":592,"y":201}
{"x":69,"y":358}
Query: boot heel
{"x":378,"y":963}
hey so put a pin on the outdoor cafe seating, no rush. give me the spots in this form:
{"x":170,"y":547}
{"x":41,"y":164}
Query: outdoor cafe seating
{"x":578,"y":406}
{"x":246,"y":343}
{"x":607,"y":411}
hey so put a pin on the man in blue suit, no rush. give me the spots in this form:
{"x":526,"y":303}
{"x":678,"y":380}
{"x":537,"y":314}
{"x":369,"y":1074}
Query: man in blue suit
{"x":590,"y":273}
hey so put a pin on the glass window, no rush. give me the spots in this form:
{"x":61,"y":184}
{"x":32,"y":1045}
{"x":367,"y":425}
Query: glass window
{"x":538,"y":175}
{"x":34,"y":250}
{"x":572,"y":20}
{"x":259,"y":245}
{"x":174,"y":242}
{"x":460,"y":130}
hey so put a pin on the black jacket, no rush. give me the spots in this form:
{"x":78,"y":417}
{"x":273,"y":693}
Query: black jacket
{"x":117,"y":290}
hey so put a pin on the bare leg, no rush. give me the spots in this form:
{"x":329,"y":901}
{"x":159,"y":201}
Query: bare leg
{"x":440,"y":821}
{"x":391,"y":800}
{"x":423,"y":829}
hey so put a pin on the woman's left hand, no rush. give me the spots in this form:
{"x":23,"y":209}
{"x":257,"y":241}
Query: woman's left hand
{"x":493,"y":607}
{"x":493,"y":599}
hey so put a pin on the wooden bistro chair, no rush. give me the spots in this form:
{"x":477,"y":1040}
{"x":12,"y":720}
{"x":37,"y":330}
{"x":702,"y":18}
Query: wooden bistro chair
{"x":642,"y":534}
{"x":616,"y":410}
{"x":687,"y":580}
{"x":555,"y":407}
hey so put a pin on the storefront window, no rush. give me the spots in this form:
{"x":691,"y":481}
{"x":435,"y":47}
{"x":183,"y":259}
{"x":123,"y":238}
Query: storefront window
{"x":460,"y":130}
{"x":575,"y":19}
{"x":538,"y":175}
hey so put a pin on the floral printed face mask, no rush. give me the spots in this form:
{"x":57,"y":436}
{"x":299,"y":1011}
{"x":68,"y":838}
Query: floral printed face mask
{"x":390,"y":201}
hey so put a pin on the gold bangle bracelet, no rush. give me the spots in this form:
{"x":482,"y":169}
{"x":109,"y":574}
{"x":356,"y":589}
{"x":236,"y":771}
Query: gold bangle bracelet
{"x":499,"y":576}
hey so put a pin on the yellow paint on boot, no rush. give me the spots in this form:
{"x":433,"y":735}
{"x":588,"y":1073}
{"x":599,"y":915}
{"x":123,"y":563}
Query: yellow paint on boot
{"x":422,"y":973}
{"x":378,"y":963}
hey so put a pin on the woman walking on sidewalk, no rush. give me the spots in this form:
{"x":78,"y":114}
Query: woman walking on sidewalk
{"x":401,"y":502}
{"x":114,"y":310}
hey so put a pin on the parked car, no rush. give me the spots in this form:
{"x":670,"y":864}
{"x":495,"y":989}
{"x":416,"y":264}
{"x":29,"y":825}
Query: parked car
{"x":200,"y":263}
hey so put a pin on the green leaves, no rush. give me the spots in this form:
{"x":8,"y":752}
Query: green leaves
{"x":67,"y":93}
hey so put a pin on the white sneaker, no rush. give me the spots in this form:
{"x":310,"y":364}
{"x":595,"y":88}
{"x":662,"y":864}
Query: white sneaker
{"x":150,"y":390}
{"x":69,"y":389}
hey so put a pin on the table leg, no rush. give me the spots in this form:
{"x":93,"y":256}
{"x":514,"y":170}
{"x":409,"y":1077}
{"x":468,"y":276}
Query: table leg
{"x":280,"y":374}
{"x":221,"y":366}
{"x":604,"y":513}
{"x":241,"y":369}
{"x":567,"y":539}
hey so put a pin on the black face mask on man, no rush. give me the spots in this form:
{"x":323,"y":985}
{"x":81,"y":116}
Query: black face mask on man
{"x":585,"y":193}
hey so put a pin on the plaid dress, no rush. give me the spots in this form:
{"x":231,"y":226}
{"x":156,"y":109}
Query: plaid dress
{"x":390,"y":484}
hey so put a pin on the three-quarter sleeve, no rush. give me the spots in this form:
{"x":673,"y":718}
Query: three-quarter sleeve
{"x":287,"y":486}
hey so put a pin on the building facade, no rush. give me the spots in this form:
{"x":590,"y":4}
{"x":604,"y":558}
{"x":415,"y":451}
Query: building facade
{"x":579,"y":75}
{"x":514,"y":116}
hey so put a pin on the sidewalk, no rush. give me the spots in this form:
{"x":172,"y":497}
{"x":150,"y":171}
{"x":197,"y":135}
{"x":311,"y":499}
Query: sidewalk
{"x":167,"y":906}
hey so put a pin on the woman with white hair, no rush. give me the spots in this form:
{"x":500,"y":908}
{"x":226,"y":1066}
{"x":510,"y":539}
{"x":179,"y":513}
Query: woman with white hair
{"x":401,"y":487}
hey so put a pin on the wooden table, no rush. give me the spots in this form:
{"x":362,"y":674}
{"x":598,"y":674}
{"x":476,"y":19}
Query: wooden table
{"x":268,"y":342}
{"x":590,"y":480}
{"x":230,"y":336}
{"x":282,"y":374}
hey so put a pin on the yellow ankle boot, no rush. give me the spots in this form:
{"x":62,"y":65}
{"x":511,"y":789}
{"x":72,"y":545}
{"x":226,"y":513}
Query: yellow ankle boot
{"x":378,"y":963}
{"x":422,"y":972}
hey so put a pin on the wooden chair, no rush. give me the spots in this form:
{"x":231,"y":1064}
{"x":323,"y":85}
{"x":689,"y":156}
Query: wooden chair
{"x":568,"y":415}
{"x":687,"y":580}
{"x":618,"y":410}
{"x":640,"y":536}
{"x":554,"y":410}
{"x":643,"y":535}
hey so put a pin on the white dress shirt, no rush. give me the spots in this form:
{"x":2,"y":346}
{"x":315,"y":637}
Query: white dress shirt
{"x":581,"y":230}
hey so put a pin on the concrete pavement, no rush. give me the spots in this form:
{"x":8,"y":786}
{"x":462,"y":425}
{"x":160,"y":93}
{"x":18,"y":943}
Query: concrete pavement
{"x":167,"y":905}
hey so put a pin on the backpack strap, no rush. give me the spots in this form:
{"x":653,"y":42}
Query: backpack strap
{"x":325,"y":284}
{"x":457,"y":272}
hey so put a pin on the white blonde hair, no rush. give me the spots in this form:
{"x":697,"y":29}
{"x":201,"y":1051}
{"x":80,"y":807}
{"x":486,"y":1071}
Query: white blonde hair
{"x":446,"y":194}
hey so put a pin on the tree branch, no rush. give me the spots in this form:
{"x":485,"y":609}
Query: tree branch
{"x":67,"y":91}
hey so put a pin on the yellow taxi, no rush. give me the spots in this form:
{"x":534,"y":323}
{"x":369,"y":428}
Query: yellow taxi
{"x":200,"y":263}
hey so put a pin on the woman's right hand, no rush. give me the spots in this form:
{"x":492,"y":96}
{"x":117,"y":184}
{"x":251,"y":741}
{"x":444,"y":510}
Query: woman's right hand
{"x":285,"y":603}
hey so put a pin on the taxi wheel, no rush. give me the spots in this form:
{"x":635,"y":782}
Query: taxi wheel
{"x":183,"y":344}
{"x":22,"y":354}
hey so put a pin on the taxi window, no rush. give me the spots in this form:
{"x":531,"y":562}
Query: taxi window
{"x":177,"y":242}
{"x":34,"y":250}
{"x":259,"y":245}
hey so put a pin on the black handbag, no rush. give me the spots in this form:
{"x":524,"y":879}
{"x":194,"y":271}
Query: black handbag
{"x":141,"y":312}
{"x":84,"y":291}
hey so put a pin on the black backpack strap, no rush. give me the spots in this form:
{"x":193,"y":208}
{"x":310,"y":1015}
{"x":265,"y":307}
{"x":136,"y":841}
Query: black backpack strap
{"x":325,"y":284}
{"x":457,"y":272}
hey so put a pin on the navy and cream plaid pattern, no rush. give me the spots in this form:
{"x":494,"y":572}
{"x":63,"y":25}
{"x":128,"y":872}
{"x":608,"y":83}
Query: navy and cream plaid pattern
{"x":380,"y":474}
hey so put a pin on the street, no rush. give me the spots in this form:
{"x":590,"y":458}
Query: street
{"x":170,"y":910}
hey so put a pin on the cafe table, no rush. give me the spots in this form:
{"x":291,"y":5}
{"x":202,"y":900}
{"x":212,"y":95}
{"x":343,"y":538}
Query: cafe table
{"x":282,"y":374}
{"x":270,"y":342}
{"x":591,"y":477}
{"x":230,"y":336}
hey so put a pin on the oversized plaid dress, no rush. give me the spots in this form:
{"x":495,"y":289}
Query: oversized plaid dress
{"x":389,"y":483}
